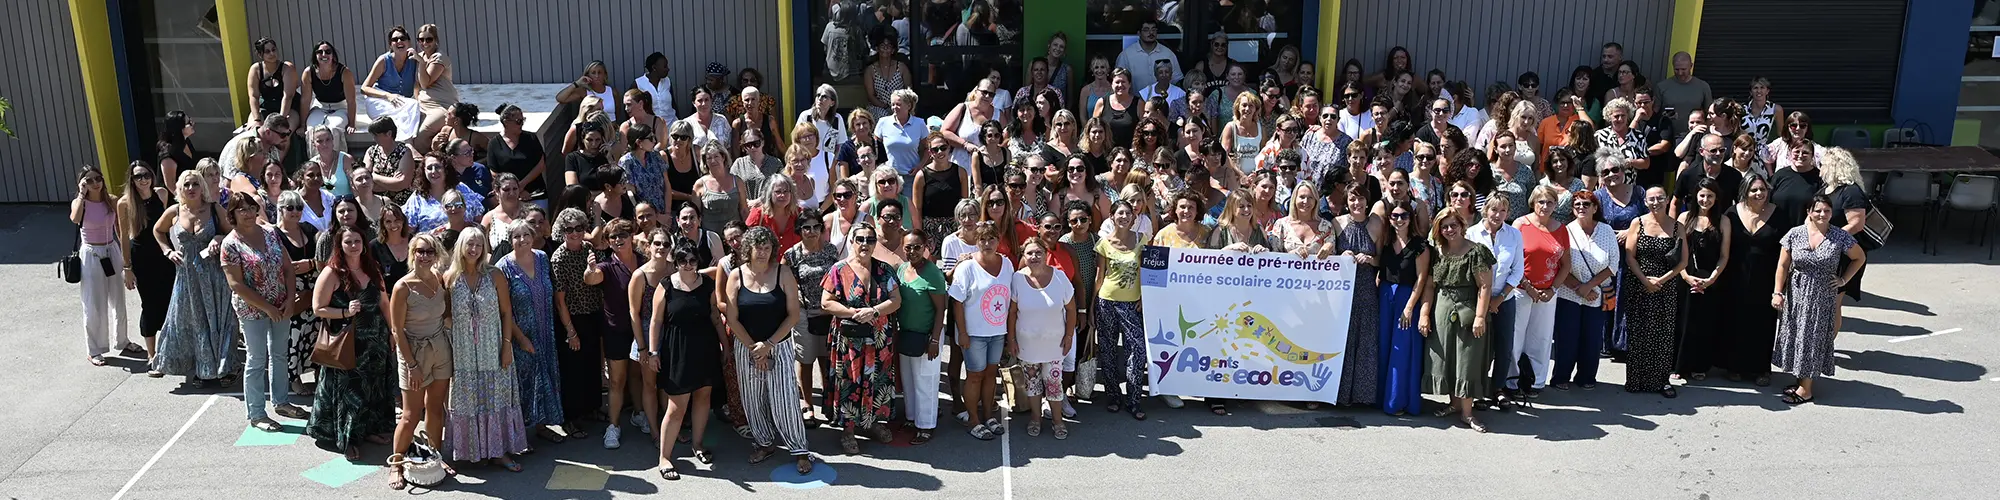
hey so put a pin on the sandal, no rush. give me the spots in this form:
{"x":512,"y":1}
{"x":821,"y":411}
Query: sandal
{"x":1670,"y":393}
{"x":505,"y":463}
{"x":759,"y":455}
{"x":881,"y":433}
{"x":849,"y":446}
{"x":670,"y":473}
{"x":396,"y":474}
{"x":1794,"y":399}
{"x":131,"y":348}
{"x":743,"y":431}
{"x":1138,"y":415}
{"x":701,"y":455}
{"x":1061,"y":431}
{"x":981,"y":432}
{"x":575,"y":431}
{"x":1447,"y":411}
{"x":97,"y":360}
{"x":1034,"y":427}
{"x":155,"y":373}
{"x":549,"y":434}
{"x":353,"y":454}
{"x":1474,"y":424}
{"x":994,"y":426}
{"x":805,"y":464}
{"x":923,"y":436}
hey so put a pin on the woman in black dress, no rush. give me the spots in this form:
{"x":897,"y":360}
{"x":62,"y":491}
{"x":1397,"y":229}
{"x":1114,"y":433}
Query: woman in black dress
{"x":1708,"y":255}
{"x":686,"y":330}
{"x":1655,"y":256}
{"x":144,"y":201}
{"x":1744,"y":342}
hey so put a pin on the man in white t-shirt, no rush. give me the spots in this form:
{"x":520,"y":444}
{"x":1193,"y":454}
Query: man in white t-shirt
{"x":1138,"y":58}
{"x":657,"y":84}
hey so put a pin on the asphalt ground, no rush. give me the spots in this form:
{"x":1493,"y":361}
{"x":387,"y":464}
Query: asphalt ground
{"x":1910,"y":414}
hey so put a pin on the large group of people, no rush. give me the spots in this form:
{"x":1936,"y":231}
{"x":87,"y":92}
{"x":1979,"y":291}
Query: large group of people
{"x":646,"y":272}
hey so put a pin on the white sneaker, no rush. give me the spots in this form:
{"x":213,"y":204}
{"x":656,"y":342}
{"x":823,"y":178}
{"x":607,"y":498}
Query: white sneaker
{"x":639,"y":420}
{"x":1172,"y":401}
{"x":611,"y":437}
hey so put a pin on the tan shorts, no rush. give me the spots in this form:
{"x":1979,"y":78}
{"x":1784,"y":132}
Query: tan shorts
{"x":430,"y":363}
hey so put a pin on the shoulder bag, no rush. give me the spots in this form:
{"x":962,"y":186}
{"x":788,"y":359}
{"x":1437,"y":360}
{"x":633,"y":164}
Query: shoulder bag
{"x":334,"y":348}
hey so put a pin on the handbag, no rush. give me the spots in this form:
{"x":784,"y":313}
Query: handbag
{"x":334,"y":348}
{"x":912,"y":343}
{"x":422,"y":466}
{"x":1875,"y":230}
{"x":71,"y":267}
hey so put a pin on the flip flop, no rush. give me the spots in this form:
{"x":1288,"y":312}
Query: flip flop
{"x":1793,"y":398}
{"x":396,"y":478}
{"x":549,"y":435}
{"x":505,"y":463}
{"x":670,"y":473}
{"x":701,"y":455}
{"x":805,"y":464}
{"x":923,"y":436}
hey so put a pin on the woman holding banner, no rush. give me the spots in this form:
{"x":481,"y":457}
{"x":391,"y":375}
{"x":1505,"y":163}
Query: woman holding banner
{"x":1406,"y":265}
{"x":1237,"y":231}
{"x":1454,"y":316}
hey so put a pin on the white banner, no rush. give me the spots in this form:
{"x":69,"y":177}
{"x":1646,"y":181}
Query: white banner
{"x":1268,"y":326}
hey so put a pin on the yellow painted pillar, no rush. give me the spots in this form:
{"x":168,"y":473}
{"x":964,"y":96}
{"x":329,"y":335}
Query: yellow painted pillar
{"x":92,"y":26}
{"x":234,"y":22}
{"x":1329,"y":45}
{"x":1686,"y":31}
{"x":788,"y":60}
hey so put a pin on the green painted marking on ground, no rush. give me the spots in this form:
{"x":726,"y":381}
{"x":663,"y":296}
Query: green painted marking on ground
{"x":287,"y":434}
{"x":338,"y":472}
{"x":577,"y":476}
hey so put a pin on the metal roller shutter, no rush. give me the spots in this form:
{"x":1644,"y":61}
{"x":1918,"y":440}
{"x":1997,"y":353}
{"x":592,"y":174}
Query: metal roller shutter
{"x":1834,"y":59}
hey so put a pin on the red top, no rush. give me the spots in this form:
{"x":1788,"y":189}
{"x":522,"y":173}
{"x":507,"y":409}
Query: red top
{"x":1542,"y":253}
{"x":1012,"y":248}
{"x":787,"y":231}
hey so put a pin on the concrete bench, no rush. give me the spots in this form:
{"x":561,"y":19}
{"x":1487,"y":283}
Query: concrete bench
{"x":537,"y":102}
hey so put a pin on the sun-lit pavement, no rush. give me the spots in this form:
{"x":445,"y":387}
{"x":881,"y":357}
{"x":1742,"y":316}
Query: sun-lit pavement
{"x":1907,"y":416}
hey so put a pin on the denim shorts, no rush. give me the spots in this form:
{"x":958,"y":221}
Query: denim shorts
{"x":984,"y":352}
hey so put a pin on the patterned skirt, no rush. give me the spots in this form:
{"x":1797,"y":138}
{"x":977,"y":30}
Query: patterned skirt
{"x":864,"y":379}
{"x":352,"y":404}
{"x":304,"y":329}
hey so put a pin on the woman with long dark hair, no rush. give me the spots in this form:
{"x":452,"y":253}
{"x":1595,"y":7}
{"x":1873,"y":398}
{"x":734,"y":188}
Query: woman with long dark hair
{"x":1754,"y":244}
{"x":96,"y":214}
{"x":147,"y":269}
{"x":357,"y":404}
{"x":1708,"y":234}
{"x":176,"y":147}
{"x":328,"y":90}
{"x":1810,"y":275}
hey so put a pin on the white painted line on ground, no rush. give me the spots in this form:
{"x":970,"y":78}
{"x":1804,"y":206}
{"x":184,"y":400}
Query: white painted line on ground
{"x":163,"y":449}
{"x":1931,"y":334}
{"x":1006,"y":456}
{"x":1996,"y":379}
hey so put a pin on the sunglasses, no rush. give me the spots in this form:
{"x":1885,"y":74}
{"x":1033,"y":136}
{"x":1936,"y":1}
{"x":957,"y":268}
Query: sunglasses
{"x":456,"y":205}
{"x":323,"y":51}
{"x":1399,"y":215}
{"x":681,"y":137}
{"x":1440,"y":110}
{"x":1531,"y":85}
{"x":293,"y":208}
{"x":1079,"y":221}
{"x":575,"y":229}
{"x":844,"y":195}
{"x":427,"y":39}
{"x":891,"y":216}
{"x":885,"y":182}
{"x":425,"y":251}
{"x":1585,"y":204}
{"x":1460,"y":194}
{"x":996,"y":203}
{"x":1350,"y":96}
{"x":753,"y":144}
{"x":143,"y":176}
{"x":864,"y":240}
{"x":399,"y":38}
{"x":913,"y":247}
{"x":659,"y":244}
{"x":812,"y":227}
{"x":939,"y":149}
{"x":1056,"y":226}
{"x":1017,"y":185}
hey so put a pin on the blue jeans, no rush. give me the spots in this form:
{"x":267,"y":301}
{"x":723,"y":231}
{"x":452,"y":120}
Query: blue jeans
{"x":984,"y":352}
{"x":266,"y":374}
{"x":1579,"y":336}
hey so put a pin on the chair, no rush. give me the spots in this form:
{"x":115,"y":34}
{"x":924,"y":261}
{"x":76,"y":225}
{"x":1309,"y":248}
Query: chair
{"x":1978,"y":194}
{"x":1901,"y":137}
{"x":1909,"y":190}
{"x":1850,"y":138}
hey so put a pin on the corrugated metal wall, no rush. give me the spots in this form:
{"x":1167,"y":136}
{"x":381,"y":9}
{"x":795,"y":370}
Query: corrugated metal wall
{"x":1483,"y":42}
{"x":45,"y":85}
{"x":528,"y":41}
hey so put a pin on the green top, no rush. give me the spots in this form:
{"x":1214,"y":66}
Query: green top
{"x":916,"y":313}
{"x":1461,"y":271}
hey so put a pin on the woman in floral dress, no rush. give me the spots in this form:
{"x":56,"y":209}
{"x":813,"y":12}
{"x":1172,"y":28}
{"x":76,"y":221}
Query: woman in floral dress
{"x":484,"y":419}
{"x":351,"y":405}
{"x":861,"y":294}
{"x":532,"y":292}
{"x":198,"y":338}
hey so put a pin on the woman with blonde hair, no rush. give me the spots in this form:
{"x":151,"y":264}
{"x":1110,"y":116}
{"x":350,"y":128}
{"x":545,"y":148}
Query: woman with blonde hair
{"x":485,"y":410}
{"x":198,"y":338}
{"x":419,"y":310}
{"x":962,"y":125}
{"x":1842,"y":176}
{"x":1244,"y":135}
{"x":1453,"y":321}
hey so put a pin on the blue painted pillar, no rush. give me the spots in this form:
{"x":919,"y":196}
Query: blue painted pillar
{"x":1933,"y":60}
